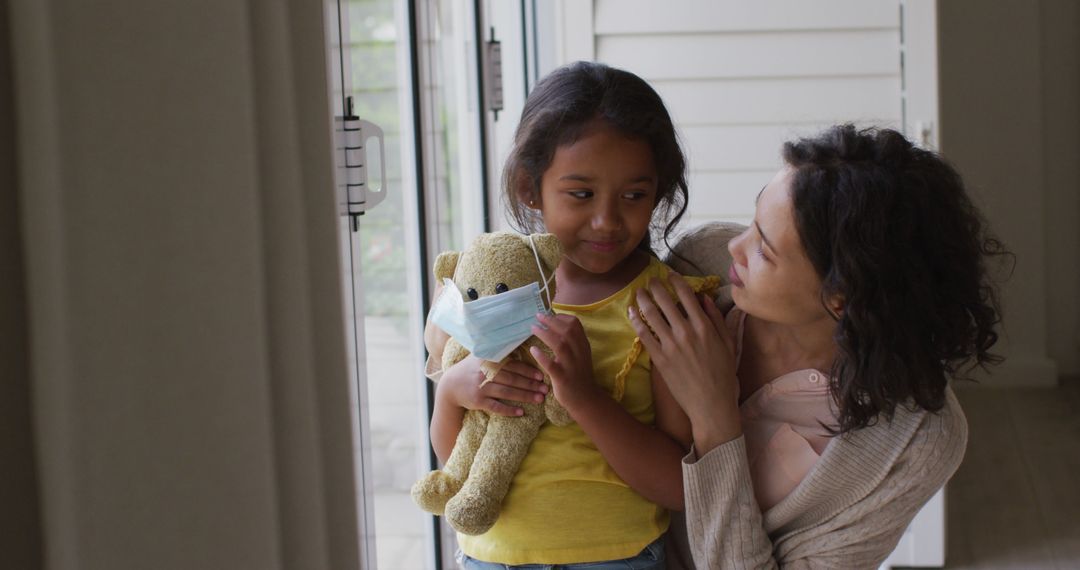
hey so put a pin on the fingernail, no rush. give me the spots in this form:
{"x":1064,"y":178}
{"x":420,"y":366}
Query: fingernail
{"x":538,"y":375}
{"x":538,"y":398}
{"x":518,"y":412}
{"x":544,"y":388}
{"x":630,"y":312}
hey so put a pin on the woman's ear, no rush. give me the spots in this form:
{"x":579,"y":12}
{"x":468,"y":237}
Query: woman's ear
{"x":835,"y":305}
{"x":445,"y":264}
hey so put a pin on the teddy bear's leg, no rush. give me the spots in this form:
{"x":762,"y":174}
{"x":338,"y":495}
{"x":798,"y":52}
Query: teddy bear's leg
{"x":476,"y":507}
{"x":437,"y":487}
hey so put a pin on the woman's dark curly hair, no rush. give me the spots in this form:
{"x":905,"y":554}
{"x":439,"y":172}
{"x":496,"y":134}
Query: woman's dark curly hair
{"x":557,"y":113}
{"x":890,"y":228}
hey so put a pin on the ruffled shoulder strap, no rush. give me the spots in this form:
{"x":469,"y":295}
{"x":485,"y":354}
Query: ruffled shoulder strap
{"x":709,"y":285}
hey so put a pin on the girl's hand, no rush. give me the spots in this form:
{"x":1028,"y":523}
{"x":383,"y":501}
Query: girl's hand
{"x":694,"y":352}
{"x":516,"y":382}
{"x":571,"y":368}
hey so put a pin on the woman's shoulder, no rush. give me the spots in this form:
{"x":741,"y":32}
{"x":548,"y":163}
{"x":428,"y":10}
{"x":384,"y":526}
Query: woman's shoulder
{"x":931,"y":442}
{"x":703,"y":249}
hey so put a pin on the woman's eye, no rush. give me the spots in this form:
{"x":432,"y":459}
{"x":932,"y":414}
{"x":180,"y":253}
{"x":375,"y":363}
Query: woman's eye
{"x":472,"y":293}
{"x":501,"y":288}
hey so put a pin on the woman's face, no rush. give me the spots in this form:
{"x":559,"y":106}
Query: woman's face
{"x":772,"y":276}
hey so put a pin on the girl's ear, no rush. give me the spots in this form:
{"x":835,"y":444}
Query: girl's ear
{"x":445,"y":264}
{"x":526,"y":194}
{"x":550,"y":251}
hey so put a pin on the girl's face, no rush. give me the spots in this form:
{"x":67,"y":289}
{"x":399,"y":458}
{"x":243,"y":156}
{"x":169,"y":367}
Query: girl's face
{"x":773,"y":278}
{"x":597,"y":197}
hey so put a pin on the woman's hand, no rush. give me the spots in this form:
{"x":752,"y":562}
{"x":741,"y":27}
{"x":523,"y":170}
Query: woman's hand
{"x":571,"y":368}
{"x":695,"y":354}
{"x":515,"y":382}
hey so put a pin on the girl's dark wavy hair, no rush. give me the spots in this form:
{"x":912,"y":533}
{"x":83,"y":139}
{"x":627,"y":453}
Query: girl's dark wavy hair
{"x":557,"y":113}
{"x":890,"y":228}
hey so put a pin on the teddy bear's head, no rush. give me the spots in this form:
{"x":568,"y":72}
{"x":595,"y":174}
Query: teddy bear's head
{"x":498,"y":262}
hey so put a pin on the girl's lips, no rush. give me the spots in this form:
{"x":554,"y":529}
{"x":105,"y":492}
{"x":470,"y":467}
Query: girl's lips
{"x":603,"y":246}
{"x":734,"y":277}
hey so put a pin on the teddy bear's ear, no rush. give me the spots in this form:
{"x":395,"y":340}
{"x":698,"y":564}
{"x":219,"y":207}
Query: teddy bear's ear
{"x":549,"y":250}
{"x":445,"y":264}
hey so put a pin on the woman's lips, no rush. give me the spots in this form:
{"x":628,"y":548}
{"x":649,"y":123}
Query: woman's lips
{"x":734,"y":277}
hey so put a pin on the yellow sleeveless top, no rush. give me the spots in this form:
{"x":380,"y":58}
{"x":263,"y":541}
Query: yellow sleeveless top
{"x":566,"y":504}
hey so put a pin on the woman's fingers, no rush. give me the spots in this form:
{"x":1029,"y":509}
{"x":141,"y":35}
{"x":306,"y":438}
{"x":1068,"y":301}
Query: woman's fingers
{"x":688,"y":300}
{"x":718,"y":321}
{"x":651,"y":344}
{"x":653,"y":315}
{"x":668,"y":307}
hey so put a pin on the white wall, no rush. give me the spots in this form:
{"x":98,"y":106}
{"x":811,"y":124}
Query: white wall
{"x":740,"y":79}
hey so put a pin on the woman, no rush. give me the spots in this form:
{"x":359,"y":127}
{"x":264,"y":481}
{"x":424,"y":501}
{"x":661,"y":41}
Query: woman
{"x":821,"y":409}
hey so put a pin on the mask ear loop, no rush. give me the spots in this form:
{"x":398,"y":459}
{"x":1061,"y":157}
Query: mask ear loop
{"x":540,"y":266}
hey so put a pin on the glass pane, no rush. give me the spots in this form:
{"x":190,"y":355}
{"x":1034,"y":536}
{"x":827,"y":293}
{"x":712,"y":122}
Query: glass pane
{"x":451,"y":113}
{"x":450,"y":120}
{"x":389,"y":300}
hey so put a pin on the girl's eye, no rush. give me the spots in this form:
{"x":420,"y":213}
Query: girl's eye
{"x":501,"y":288}
{"x":472,"y":293}
{"x":581,"y":194}
{"x":634,"y":195}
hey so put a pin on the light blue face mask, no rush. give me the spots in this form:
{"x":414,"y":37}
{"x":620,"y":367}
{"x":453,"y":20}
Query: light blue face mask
{"x":493,"y":326}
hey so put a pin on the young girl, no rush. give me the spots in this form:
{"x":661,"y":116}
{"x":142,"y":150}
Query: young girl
{"x":595,"y":162}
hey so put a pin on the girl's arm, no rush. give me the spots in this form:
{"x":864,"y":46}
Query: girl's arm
{"x":648,"y":459}
{"x":460,"y":390}
{"x":670,"y":417}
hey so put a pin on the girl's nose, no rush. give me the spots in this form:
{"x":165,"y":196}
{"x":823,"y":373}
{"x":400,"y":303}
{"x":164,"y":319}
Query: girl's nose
{"x":607,"y":218}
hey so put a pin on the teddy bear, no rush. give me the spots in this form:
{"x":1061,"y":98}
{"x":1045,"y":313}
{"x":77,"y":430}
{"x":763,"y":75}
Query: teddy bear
{"x":468,"y":491}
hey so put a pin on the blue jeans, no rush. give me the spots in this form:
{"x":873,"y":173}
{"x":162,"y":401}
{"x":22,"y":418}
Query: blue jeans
{"x":651,"y":558}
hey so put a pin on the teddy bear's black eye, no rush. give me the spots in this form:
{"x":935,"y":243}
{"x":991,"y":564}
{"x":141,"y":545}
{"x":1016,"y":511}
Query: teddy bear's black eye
{"x":472,"y":293}
{"x":501,"y":288}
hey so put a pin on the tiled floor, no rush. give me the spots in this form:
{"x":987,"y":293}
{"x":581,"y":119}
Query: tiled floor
{"x":1015,"y":502}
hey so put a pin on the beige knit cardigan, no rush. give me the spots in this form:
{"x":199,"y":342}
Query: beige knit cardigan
{"x":849,"y":511}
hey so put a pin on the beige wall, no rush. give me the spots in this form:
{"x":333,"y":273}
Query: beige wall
{"x":1061,"y":159}
{"x":182,"y":306}
{"x":20,"y":527}
{"x":1008,"y":84}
